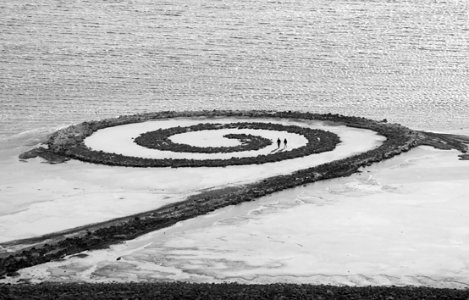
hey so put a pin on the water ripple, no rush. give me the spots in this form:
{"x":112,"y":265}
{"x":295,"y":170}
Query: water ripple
{"x":65,"y":62}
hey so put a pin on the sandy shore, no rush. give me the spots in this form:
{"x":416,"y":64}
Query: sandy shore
{"x":399,"y":222}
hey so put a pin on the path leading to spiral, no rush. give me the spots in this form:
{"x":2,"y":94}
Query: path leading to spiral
{"x":39,"y":196}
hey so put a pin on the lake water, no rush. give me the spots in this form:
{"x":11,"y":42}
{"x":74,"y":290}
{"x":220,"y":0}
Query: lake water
{"x":62,"y":62}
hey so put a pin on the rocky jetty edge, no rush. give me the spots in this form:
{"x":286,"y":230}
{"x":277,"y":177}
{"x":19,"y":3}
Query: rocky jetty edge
{"x":62,"y":145}
{"x":208,"y":291}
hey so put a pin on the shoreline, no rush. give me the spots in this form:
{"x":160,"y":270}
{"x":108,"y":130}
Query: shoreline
{"x":98,"y":236}
{"x":351,"y":223}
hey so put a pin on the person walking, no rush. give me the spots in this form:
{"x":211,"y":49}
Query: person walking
{"x":285,"y":143}
{"x":278,"y":143}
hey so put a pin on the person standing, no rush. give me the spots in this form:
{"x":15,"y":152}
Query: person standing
{"x":285,"y":143}
{"x":278,"y":143}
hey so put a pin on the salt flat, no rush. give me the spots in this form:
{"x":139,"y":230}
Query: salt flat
{"x":38,"y":198}
{"x":399,"y":222}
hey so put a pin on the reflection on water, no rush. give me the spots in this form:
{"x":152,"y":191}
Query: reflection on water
{"x":63,"y":62}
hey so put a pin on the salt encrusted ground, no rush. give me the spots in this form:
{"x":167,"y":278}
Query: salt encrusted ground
{"x":402,"y":221}
{"x":41,"y":198}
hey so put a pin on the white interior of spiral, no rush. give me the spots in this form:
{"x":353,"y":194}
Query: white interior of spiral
{"x":120,"y":139}
{"x":207,"y":138}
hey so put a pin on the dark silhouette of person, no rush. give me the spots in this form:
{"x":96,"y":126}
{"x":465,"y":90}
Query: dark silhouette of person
{"x":278,"y":143}
{"x":285,"y":143}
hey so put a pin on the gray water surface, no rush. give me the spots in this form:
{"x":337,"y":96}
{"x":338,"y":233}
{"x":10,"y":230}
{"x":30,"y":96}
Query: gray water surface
{"x":67,"y":61}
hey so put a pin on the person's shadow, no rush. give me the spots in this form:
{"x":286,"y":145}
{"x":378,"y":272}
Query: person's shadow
{"x":278,"y":149}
